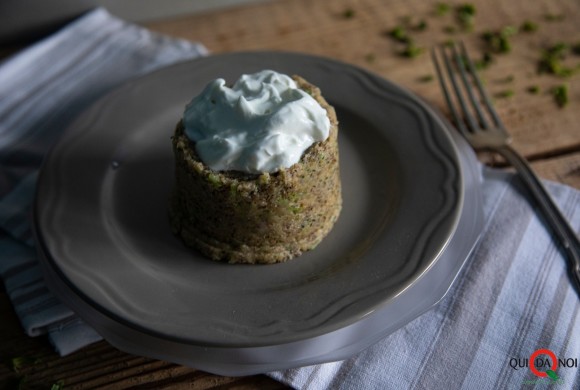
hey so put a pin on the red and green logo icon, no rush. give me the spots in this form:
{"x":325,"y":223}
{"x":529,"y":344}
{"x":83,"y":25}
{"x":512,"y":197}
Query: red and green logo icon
{"x":551,"y":371}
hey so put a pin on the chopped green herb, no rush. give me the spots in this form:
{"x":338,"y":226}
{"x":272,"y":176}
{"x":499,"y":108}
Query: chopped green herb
{"x":529,"y":26}
{"x":505,"y":94}
{"x":427,"y":78}
{"x":399,"y":34}
{"x":22,"y":361}
{"x":214,"y":180}
{"x":442,"y":9}
{"x":348,"y":13}
{"x":466,"y":16}
{"x":411,"y":50}
{"x":558,"y":50}
{"x":57,"y":386}
{"x":498,"y":41}
{"x":560,"y":94}
{"x":508,"y":31}
{"x":485,"y":61}
{"x":421,"y":26}
{"x":550,"y":62}
{"x":534,"y":89}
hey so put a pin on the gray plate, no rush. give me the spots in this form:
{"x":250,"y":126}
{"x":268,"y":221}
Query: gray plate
{"x":412,"y":213}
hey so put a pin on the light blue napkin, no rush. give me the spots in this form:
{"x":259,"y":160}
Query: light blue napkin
{"x":512,"y":299}
{"x":41,"y":90}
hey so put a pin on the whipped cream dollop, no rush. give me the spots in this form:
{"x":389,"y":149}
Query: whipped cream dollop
{"x":263,"y":123}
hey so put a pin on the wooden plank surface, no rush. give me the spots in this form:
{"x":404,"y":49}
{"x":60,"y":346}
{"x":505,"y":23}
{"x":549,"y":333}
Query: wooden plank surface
{"x":356,"y":32}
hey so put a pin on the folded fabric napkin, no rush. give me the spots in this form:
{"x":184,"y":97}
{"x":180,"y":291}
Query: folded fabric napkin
{"x":41,"y":90}
{"x":512,"y":298}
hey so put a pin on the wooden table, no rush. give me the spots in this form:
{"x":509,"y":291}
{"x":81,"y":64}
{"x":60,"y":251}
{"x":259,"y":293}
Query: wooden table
{"x":358,"y":32}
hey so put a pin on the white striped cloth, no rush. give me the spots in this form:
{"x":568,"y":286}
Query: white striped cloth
{"x":41,"y":90}
{"x":512,"y":298}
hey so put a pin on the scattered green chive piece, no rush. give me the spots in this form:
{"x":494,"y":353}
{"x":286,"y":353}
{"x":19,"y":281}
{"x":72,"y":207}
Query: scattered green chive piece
{"x":21,"y":361}
{"x":399,"y":34}
{"x":485,"y":61}
{"x":411,"y":50}
{"x":560,"y":94}
{"x":505,"y":94}
{"x":529,"y":26}
{"x":348,"y":13}
{"x":466,"y":16}
{"x":421,"y":26}
{"x":442,"y":9}
{"x":498,"y":41}
{"x":534,"y":89}
{"x":427,"y":78}
{"x":508,"y":31}
{"x":550,"y":62}
{"x":57,"y":386}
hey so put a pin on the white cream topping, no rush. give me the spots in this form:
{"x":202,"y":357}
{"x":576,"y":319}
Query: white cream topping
{"x":261,"y":124}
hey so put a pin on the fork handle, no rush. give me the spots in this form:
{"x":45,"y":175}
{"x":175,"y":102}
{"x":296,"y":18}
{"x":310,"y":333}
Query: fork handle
{"x":551,"y":212}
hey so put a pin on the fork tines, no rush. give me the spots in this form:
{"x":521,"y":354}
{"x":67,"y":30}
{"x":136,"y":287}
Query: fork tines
{"x":461,"y":74}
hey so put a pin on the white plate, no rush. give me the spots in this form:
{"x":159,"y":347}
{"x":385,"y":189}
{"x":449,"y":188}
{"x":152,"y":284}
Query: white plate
{"x":411,"y":215}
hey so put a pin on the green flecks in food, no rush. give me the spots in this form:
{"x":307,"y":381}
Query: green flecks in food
{"x":214,"y":180}
{"x":233,"y":190}
{"x":466,"y":16}
{"x":264,"y":179}
{"x":426,"y":78}
{"x":534,"y":89}
{"x":560,"y":94}
{"x":295,"y":209}
{"x":529,"y":26}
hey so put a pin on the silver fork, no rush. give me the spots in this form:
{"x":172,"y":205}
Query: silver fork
{"x":479,"y":123}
